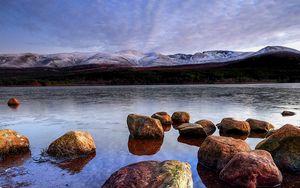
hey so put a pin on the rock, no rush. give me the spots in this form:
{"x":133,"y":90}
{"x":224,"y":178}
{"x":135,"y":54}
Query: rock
{"x":73,"y":144}
{"x":151,"y":174}
{"x":13,"y":102}
{"x":252,"y":169}
{"x":259,"y":126}
{"x":208,"y":126}
{"x":231,"y":125}
{"x":191,"y":130}
{"x":284,"y":146}
{"x":144,"y":146}
{"x":179,"y":118}
{"x":12,"y":142}
{"x":163,"y":117}
{"x":216,"y":151}
{"x":144,"y":127}
{"x":271,"y":132}
{"x":288,"y":113}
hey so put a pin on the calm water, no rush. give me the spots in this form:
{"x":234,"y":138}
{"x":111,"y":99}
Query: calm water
{"x":48,"y":112}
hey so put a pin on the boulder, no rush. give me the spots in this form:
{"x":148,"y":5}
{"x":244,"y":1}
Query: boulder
{"x":208,"y":126}
{"x":288,"y":113}
{"x":163,"y":117}
{"x":13,"y":102}
{"x":151,"y":174}
{"x":180,"y":118}
{"x":12,"y":142}
{"x":144,"y":127}
{"x":284,"y":146}
{"x":73,"y":144}
{"x":144,"y":146}
{"x":191,"y":130}
{"x":231,"y":125}
{"x":252,"y":169}
{"x":216,"y":151}
{"x":260,"y":126}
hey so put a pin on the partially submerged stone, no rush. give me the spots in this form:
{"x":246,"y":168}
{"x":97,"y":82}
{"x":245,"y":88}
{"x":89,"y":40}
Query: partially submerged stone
{"x":191,"y":130}
{"x":252,"y":169}
{"x":216,"y":151}
{"x":152,"y":174}
{"x":260,"y":126}
{"x":288,"y":113}
{"x":163,"y":117}
{"x":284,"y":146}
{"x":231,"y":125}
{"x":179,"y":118}
{"x":72,"y":144}
{"x":144,"y":127}
{"x":208,"y":126}
{"x":13,"y":102}
{"x":12,"y":142}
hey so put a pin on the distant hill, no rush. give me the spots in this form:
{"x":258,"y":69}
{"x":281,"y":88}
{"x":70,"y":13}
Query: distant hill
{"x":270,"y":64}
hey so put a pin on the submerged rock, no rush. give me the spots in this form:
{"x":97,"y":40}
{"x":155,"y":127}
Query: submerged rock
{"x":216,"y":151}
{"x":151,"y":174}
{"x":191,"y":130}
{"x":231,"y":125}
{"x":72,"y":144}
{"x":163,"y":117}
{"x":252,"y":169}
{"x":12,"y":142}
{"x":144,"y":127}
{"x":284,"y":146}
{"x":259,"y":126}
{"x":208,"y":126}
{"x":14,"y":102}
{"x":288,"y":113}
{"x":144,"y":146}
{"x":179,"y":118}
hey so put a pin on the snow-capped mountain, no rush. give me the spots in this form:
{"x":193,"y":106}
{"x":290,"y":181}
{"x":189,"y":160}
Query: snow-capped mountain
{"x":132,"y":58}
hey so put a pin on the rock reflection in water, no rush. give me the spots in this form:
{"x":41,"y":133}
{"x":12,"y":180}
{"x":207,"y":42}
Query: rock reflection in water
{"x":254,"y":134}
{"x":191,"y":141}
{"x":75,"y":166}
{"x":144,"y":146}
{"x":11,"y":166}
{"x":210,"y":178}
{"x":234,"y":135}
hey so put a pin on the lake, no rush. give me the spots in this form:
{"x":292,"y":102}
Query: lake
{"x":48,"y":112}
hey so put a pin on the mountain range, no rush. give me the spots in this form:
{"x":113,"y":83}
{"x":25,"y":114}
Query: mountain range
{"x":132,"y":58}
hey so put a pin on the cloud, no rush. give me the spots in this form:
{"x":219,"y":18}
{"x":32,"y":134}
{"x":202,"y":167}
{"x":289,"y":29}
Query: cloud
{"x":166,"y":26}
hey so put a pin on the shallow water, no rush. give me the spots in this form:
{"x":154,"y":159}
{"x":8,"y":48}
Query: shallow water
{"x":48,"y":112}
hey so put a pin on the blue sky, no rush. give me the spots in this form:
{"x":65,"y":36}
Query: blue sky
{"x":166,"y":26}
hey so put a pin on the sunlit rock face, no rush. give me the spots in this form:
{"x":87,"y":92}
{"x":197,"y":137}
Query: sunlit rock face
{"x":144,"y":127}
{"x":232,"y":125}
{"x":148,"y":174}
{"x":12,"y":142}
{"x":259,"y":126}
{"x":72,"y":144}
{"x":252,"y":169}
{"x":208,"y":126}
{"x":163,"y":117}
{"x":13,"y":102}
{"x":284,"y":146}
{"x":179,"y":118}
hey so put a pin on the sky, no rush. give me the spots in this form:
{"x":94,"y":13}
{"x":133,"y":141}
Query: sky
{"x":165,"y":26}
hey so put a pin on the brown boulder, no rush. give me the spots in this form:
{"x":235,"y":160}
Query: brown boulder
{"x":284,"y":146}
{"x":216,"y":151}
{"x":191,"y":130}
{"x":208,"y":126}
{"x":73,"y":144}
{"x":288,"y":113}
{"x":13,"y":102}
{"x":180,"y":118}
{"x":151,"y":174}
{"x":259,"y":126}
{"x":252,"y":169}
{"x":12,"y":142}
{"x":144,"y":127}
{"x":163,"y":117}
{"x":231,"y":125}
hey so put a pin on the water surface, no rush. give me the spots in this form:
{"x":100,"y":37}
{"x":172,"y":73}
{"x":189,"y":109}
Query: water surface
{"x":48,"y":112}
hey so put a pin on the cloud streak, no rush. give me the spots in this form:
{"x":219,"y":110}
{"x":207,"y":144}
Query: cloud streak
{"x":167,"y":26}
